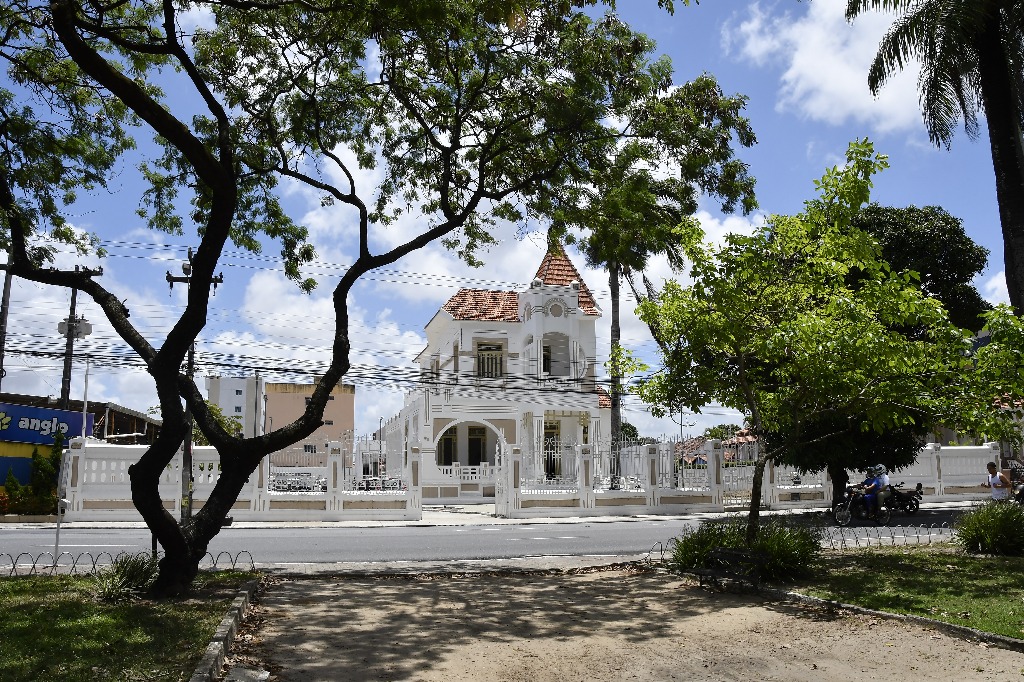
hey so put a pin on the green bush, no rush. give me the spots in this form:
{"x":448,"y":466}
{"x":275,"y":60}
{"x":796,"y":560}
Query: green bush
{"x":5,"y":504}
{"x":34,"y":505}
{"x":12,"y":486}
{"x":43,"y":479}
{"x":790,"y":550}
{"x":128,"y":576}
{"x":690,"y":550}
{"x":993,"y":528}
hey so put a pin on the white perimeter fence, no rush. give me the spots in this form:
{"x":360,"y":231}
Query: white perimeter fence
{"x":647,"y":479}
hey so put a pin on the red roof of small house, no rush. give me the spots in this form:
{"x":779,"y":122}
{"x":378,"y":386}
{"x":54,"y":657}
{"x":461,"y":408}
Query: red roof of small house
{"x":690,"y":446}
{"x":484,"y":305}
{"x":603,"y":398}
{"x":556,"y":269}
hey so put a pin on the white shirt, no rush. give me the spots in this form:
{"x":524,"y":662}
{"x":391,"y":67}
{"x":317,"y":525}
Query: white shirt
{"x":1002,"y":493}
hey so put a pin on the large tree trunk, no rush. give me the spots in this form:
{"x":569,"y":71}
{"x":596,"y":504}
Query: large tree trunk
{"x":754,"y":514}
{"x":1004,"y":134}
{"x":616,"y":373}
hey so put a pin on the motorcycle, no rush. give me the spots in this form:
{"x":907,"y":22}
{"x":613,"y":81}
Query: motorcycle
{"x":854,"y":506}
{"x":1018,"y":492}
{"x":906,"y":501}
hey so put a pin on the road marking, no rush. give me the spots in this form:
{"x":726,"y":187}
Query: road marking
{"x":63,"y":545}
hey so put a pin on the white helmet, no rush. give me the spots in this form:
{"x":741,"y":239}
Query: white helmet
{"x":881,"y":470}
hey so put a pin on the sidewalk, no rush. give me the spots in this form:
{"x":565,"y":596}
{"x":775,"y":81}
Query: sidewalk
{"x":483,"y":514}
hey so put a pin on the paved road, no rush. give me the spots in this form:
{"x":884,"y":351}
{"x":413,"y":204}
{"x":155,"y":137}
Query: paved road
{"x":470,"y":537}
{"x":331,"y":545}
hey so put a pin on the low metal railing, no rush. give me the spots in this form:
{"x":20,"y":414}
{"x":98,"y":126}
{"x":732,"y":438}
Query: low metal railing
{"x":88,"y":563}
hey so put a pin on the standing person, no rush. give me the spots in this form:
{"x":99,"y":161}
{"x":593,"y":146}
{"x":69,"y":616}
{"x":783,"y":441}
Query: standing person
{"x":998,"y":482}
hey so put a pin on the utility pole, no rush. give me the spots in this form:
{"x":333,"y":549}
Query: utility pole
{"x":5,"y":309}
{"x":186,"y":452}
{"x":73,"y":328}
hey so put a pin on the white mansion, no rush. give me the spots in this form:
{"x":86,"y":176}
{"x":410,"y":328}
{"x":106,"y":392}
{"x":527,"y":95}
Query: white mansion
{"x":504,"y":369}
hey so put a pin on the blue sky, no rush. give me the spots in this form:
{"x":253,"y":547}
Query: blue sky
{"x":803,"y":69}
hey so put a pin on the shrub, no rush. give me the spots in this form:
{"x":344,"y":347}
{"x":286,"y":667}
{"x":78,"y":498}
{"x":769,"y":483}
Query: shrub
{"x":790,"y":550}
{"x":36,"y":505}
{"x":690,"y":550}
{"x":993,"y":528}
{"x":128,"y":576}
{"x":12,"y":486}
{"x":44,"y":474}
{"x":5,"y":504}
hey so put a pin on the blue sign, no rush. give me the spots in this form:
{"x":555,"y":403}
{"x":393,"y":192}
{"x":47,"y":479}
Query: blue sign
{"x":24,"y":424}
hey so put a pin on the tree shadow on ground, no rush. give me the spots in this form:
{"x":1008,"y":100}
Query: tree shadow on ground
{"x":400,"y":627}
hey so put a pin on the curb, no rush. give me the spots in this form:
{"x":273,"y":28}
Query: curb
{"x":212,"y":663}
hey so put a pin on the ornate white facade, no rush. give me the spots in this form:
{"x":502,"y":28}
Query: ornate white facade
{"x":504,"y":370}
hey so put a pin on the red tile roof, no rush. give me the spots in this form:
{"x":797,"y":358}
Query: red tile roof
{"x":557,"y":269}
{"x":484,"y":305}
{"x":603,"y":398}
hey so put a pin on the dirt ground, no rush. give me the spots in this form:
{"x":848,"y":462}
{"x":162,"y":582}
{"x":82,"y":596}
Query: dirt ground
{"x":594,"y":626}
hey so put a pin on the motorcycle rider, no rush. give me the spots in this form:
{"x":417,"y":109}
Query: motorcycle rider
{"x":871,"y":486}
{"x":884,"y":492}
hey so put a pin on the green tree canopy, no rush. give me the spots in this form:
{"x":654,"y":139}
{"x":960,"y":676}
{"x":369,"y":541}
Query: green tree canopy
{"x":722,"y":431}
{"x":932,"y":243}
{"x":229,"y":423}
{"x":773,"y":327}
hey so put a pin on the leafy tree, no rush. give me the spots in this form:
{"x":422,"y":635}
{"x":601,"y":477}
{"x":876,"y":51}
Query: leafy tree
{"x":773,"y":327}
{"x":629,"y":432}
{"x":991,"y":400}
{"x":722,"y":431}
{"x":630,"y":209}
{"x":230,"y":424}
{"x":932,"y":243}
{"x":970,"y":55}
{"x":466,"y":108}
{"x":839,"y":442}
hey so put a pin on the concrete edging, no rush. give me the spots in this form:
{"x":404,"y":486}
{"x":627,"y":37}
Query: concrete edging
{"x":209,"y":668}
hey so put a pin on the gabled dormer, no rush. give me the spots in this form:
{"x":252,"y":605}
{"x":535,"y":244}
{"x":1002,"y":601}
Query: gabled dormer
{"x":545,"y":331}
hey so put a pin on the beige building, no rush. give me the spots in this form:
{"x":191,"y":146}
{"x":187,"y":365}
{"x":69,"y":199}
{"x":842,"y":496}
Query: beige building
{"x":284,"y":403}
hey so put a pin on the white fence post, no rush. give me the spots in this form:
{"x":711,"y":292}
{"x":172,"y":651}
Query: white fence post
{"x":712,"y":450}
{"x":586,"y":476}
{"x":415,"y":491}
{"x":652,"y":476}
{"x":335,"y":476}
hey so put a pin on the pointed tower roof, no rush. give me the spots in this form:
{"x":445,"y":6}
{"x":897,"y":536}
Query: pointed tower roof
{"x":558,"y":270}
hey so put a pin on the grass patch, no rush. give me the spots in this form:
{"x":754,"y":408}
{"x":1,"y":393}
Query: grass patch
{"x":934,"y":581}
{"x":54,"y":628}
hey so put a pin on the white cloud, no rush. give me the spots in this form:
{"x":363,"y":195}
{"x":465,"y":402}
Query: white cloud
{"x":994,"y":289}
{"x":824,"y":64}
{"x":196,"y":17}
